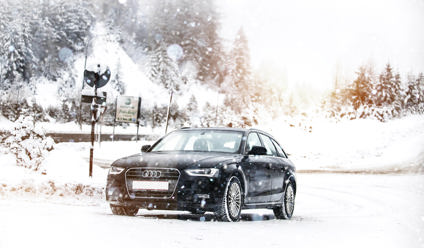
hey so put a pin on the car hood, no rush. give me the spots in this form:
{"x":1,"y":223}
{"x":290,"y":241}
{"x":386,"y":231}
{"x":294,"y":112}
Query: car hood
{"x":179,"y":160}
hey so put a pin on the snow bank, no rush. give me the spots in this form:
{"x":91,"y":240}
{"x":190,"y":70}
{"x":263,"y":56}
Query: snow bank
{"x":353,"y":146}
{"x":67,"y":168}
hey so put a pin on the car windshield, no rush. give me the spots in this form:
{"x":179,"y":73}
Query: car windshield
{"x":200,"y":141}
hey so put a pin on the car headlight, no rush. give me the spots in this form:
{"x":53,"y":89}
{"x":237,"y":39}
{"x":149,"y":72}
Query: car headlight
{"x":114,"y":170}
{"x":206,"y":172}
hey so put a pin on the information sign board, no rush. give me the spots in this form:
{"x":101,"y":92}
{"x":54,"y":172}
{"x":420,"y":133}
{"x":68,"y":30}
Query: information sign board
{"x":127,"y":109}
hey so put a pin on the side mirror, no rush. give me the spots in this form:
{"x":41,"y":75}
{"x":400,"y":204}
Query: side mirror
{"x":257,"y":150}
{"x":145,"y":148}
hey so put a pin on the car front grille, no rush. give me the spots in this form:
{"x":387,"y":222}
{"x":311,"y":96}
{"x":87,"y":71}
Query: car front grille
{"x":169,"y":175}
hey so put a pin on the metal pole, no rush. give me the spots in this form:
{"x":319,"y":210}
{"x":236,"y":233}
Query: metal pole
{"x":136,"y":137}
{"x":113,"y":132}
{"x":138,"y":116}
{"x":114,"y":120}
{"x":99,"y":135}
{"x":216,"y":110}
{"x":167,"y":113}
{"x":93,"y":123}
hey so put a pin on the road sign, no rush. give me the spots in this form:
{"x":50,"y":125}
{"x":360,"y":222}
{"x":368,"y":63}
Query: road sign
{"x":127,"y":109}
{"x":95,"y":78}
{"x":99,"y":99}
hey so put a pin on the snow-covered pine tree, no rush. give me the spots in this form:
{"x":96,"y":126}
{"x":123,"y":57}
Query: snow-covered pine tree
{"x":361,"y":89}
{"x":238,"y":81}
{"x":387,"y":87}
{"x":398,"y":98}
{"x":208,"y":118}
{"x":44,"y":37}
{"x":158,"y":115}
{"x":414,"y":95}
{"x":194,"y":27}
{"x":192,"y":111}
{"x":199,"y":25}
{"x":16,"y":46}
{"x":388,"y":97}
{"x":177,"y":118}
{"x":117,"y":83}
{"x":420,"y":79}
{"x":163,"y":70}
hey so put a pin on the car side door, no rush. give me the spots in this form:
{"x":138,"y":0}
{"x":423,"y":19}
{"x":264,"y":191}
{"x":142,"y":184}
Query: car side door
{"x":281,"y":166}
{"x":274,"y":167}
{"x":256,"y":169}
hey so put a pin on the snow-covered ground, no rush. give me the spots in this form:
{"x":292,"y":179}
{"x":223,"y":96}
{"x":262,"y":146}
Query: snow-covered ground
{"x":332,"y":210}
{"x":361,"y":146}
{"x":353,"y":146}
{"x":66,"y":208}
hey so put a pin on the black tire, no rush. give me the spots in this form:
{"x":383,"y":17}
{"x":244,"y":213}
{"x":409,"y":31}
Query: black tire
{"x":230,"y":208}
{"x":286,"y":210}
{"x":120,"y":210}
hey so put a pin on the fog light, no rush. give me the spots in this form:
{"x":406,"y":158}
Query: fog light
{"x":114,"y":194}
{"x":203,"y":196}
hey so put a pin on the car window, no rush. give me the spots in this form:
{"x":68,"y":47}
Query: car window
{"x":270,"y":149}
{"x":252,"y":140}
{"x":200,"y":141}
{"x":280,"y":151}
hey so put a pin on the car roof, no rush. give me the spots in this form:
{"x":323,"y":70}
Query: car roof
{"x":215,"y":128}
{"x":245,"y":130}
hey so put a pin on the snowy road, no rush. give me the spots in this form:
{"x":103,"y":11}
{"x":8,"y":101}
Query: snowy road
{"x":332,"y":210}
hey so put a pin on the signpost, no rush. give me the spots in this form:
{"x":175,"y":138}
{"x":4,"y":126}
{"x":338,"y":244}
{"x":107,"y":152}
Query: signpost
{"x":127,"y":110}
{"x":98,"y":102}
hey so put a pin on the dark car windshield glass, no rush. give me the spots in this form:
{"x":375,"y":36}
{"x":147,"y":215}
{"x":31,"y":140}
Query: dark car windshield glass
{"x":200,"y":141}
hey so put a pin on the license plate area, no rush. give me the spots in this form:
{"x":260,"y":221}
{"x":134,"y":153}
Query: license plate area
{"x":150,"y":185}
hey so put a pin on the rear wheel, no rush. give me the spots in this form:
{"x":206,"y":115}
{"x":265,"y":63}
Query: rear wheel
{"x":286,"y":210}
{"x":230,"y":207}
{"x":120,"y":210}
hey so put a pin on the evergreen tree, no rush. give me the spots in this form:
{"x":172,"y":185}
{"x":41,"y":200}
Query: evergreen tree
{"x":238,"y":81}
{"x":387,"y":88}
{"x":117,"y":82}
{"x":193,"y":112}
{"x":163,"y":70}
{"x":208,"y":118}
{"x":414,"y":99}
{"x":361,"y":89}
{"x":194,"y":27}
{"x":16,"y":45}
{"x":238,"y":75}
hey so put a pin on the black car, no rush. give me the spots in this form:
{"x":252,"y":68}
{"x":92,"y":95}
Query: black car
{"x":223,"y":170}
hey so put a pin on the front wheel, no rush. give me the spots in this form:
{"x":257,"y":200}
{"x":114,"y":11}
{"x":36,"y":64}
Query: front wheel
{"x":120,"y":210}
{"x":286,"y":210}
{"x":230,"y":207}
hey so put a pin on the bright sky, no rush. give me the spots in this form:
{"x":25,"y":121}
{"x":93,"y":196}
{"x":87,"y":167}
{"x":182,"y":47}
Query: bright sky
{"x":308,"y":42}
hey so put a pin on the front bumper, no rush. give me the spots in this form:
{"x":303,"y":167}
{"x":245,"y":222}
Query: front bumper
{"x":191,"y":193}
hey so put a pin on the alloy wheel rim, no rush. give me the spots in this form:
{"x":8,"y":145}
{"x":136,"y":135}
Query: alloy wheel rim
{"x":289,"y":200}
{"x":234,"y":200}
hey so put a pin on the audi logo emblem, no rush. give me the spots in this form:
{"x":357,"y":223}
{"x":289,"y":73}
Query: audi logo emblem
{"x":151,"y":173}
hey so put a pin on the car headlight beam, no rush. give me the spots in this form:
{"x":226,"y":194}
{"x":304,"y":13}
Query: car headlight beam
{"x":206,"y":172}
{"x":114,"y":170}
